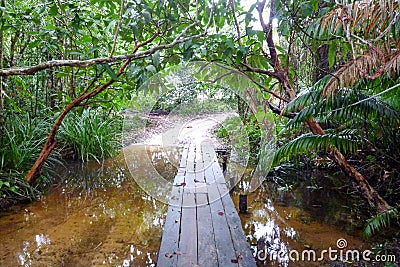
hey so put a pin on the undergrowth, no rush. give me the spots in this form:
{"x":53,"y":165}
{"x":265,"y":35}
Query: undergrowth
{"x":91,"y":135}
{"x":22,"y":140}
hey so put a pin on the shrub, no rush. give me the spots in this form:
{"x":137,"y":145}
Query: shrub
{"x":91,"y":134}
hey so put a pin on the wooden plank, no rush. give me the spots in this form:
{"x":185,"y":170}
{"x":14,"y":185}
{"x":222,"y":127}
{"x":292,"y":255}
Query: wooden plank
{"x":170,"y":239}
{"x":207,"y":251}
{"x":219,"y":176}
{"x":223,"y":240}
{"x":202,"y":225}
{"x":240,"y":243}
{"x":188,"y":231}
{"x":199,"y":173}
{"x":188,"y":235}
{"x":183,"y":161}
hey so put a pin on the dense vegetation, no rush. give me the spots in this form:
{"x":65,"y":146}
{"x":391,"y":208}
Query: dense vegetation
{"x":329,"y":70}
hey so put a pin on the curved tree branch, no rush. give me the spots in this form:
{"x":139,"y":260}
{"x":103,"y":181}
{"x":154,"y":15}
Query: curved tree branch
{"x":35,"y":171}
{"x":103,"y":60}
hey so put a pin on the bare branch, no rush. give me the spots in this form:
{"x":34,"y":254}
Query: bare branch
{"x":236,"y":21}
{"x":265,"y":89}
{"x":117,"y":29}
{"x":104,"y":60}
{"x":261,"y":71}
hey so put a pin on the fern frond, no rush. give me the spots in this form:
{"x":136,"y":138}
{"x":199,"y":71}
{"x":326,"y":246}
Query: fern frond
{"x":379,"y":221}
{"x":345,"y":141}
{"x":368,"y":17}
{"x":350,"y":74}
{"x":304,"y":99}
{"x":346,"y":105}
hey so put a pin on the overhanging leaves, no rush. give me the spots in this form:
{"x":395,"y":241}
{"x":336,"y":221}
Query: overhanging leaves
{"x":345,"y":141}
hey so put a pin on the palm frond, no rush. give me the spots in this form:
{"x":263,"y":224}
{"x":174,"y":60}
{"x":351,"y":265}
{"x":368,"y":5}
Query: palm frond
{"x":345,"y":141}
{"x":304,"y":99}
{"x":346,"y":104}
{"x":379,"y":221}
{"x":369,"y":17}
{"x":393,"y":65}
{"x":343,"y":107}
{"x":350,"y":73}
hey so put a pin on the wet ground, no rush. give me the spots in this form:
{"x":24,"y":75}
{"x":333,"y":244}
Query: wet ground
{"x":99,"y":216}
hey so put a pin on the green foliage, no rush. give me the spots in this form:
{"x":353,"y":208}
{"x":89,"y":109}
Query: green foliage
{"x":345,"y":141}
{"x":380,"y":221}
{"x":244,"y":137}
{"x":221,"y":133}
{"x":22,"y":142}
{"x":91,"y":134}
{"x":14,"y":187}
{"x":349,"y":109}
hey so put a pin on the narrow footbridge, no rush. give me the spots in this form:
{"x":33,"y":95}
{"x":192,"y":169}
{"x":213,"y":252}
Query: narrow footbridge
{"x":202,"y":227}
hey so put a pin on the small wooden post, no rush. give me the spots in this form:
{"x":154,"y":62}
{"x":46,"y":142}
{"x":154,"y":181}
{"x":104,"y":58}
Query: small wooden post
{"x":243,"y":203}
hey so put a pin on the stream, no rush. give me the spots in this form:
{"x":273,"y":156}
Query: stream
{"x":99,"y":215}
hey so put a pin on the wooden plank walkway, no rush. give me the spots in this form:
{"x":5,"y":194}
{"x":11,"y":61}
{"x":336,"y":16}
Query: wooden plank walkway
{"x":202,"y":227}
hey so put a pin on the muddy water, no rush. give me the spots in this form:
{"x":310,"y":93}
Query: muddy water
{"x":99,"y":216}
{"x":297,"y":220}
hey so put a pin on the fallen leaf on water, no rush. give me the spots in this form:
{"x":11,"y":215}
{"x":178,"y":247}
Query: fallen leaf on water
{"x":221,"y":213}
{"x":234,"y":261}
{"x":183,"y":184}
{"x":168,"y":255}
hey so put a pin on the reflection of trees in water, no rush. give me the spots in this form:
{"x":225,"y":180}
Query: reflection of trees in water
{"x":87,"y":176}
{"x":112,"y":173}
{"x":164,"y":160}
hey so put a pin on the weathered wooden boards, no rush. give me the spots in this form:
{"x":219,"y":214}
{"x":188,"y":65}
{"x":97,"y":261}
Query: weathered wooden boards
{"x":202,"y":226}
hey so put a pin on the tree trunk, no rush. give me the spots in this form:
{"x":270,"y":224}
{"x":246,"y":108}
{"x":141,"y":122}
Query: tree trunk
{"x":367,"y":191}
{"x":2,"y":90}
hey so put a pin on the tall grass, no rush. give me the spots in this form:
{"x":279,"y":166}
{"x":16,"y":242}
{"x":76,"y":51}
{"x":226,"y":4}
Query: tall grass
{"x":21,"y":143}
{"x":91,"y":135}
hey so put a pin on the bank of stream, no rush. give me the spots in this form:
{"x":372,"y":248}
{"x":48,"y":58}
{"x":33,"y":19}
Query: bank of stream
{"x":99,"y":216}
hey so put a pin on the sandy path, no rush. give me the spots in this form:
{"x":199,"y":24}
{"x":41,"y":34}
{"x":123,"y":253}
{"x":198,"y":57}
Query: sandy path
{"x":185,"y":130}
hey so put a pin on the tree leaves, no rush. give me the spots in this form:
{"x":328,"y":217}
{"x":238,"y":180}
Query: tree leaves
{"x":345,"y":141}
{"x":380,"y":221}
{"x":110,"y":72}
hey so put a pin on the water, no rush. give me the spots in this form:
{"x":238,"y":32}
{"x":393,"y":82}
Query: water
{"x":277,"y":227}
{"x":99,"y":216}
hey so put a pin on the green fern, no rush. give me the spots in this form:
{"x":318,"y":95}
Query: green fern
{"x":344,"y":106}
{"x":345,"y":141}
{"x":380,"y":221}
